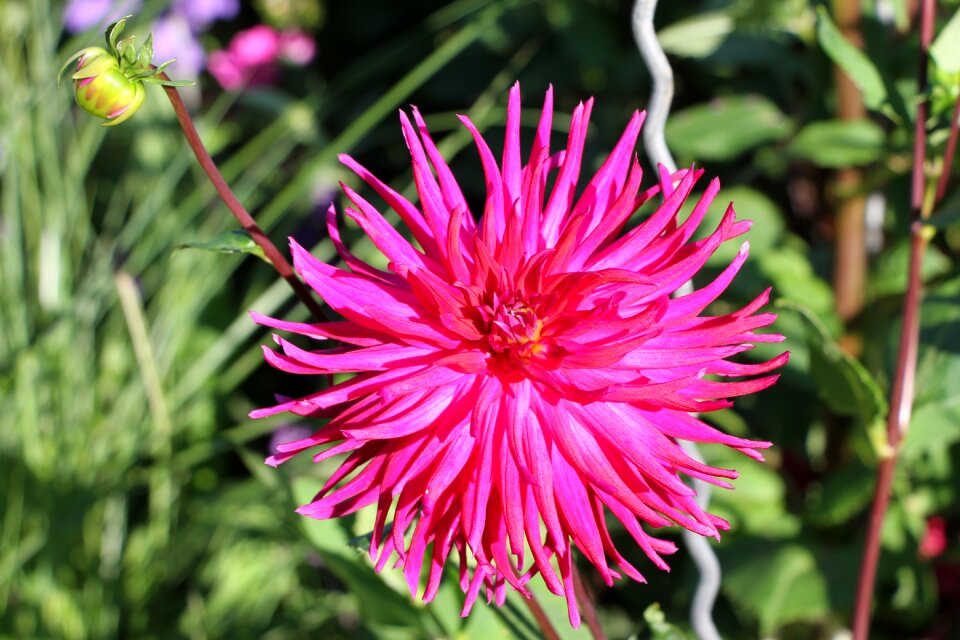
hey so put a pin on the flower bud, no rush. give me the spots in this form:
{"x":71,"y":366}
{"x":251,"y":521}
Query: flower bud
{"x":108,"y":83}
{"x":103,"y":90}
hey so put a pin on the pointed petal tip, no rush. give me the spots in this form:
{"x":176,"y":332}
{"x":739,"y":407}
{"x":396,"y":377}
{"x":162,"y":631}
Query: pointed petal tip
{"x":305,"y":510}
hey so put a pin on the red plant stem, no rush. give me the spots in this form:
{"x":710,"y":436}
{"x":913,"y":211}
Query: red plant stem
{"x":948,"y":153}
{"x":901,"y":395}
{"x":898,"y":421}
{"x":546,"y":627}
{"x":270,"y":251}
{"x":920,"y":131}
{"x":586,"y":605}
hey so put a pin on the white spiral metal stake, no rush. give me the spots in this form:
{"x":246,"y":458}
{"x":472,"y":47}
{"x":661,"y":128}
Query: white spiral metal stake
{"x":655,"y":143}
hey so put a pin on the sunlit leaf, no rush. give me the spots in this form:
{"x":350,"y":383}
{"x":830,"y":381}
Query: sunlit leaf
{"x":945,"y":49}
{"x":852,"y":60}
{"x":233,"y":241}
{"x":839,"y":143}
{"x":697,"y":36}
{"x":724,"y":128}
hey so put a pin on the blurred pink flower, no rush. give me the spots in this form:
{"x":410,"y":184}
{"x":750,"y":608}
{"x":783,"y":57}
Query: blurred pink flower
{"x":522,"y":378}
{"x":251,"y":58}
{"x":297,"y":47}
{"x":255,"y":46}
{"x":934,"y":541}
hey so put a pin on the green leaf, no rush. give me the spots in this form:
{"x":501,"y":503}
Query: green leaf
{"x":778,"y":583}
{"x":947,"y":215}
{"x":938,"y":361}
{"x":379,"y":603}
{"x":750,"y":204}
{"x":145,"y":55}
{"x":840,"y":496}
{"x":233,"y":241}
{"x":842,"y":381}
{"x":660,"y":629}
{"x":945,"y":49}
{"x":852,"y":60}
{"x":889,"y":276}
{"x":839,"y":143}
{"x":757,"y":503}
{"x":793,"y":278}
{"x":725,"y":128}
{"x":696,"y":37}
{"x":933,"y":428}
{"x":113,"y":32}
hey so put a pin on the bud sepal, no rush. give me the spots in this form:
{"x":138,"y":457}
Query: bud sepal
{"x":108,"y":83}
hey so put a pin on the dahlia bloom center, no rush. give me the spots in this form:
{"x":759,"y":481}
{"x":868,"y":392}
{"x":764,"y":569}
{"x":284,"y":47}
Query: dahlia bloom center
{"x":516,"y":332}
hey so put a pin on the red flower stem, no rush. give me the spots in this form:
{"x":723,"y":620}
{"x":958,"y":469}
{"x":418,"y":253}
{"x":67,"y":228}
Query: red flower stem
{"x":246,"y":221}
{"x":546,"y":627}
{"x":586,"y":605}
{"x":898,"y":421}
{"x":949,"y":153}
{"x":901,"y":395}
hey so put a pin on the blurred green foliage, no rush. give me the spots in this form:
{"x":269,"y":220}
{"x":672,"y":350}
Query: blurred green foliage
{"x":133,"y":497}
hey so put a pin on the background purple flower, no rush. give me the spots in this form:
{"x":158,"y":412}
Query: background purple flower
{"x":173,"y":38}
{"x":200,"y":13}
{"x":81,"y":15}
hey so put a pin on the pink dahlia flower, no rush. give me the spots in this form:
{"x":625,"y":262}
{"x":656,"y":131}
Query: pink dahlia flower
{"x":522,"y":378}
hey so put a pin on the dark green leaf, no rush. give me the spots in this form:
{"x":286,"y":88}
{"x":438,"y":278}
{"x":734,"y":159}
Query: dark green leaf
{"x":889,"y":276}
{"x":947,"y":215}
{"x":842,"y":381}
{"x":839,"y":143}
{"x":757,"y":503}
{"x":840,"y":495}
{"x":852,"y":60}
{"x":379,"y":603}
{"x":234,"y":241}
{"x":776,"y":582}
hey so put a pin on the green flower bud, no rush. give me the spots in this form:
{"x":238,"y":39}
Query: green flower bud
{"x":103,"y":90}
{"x":108,"y":83}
